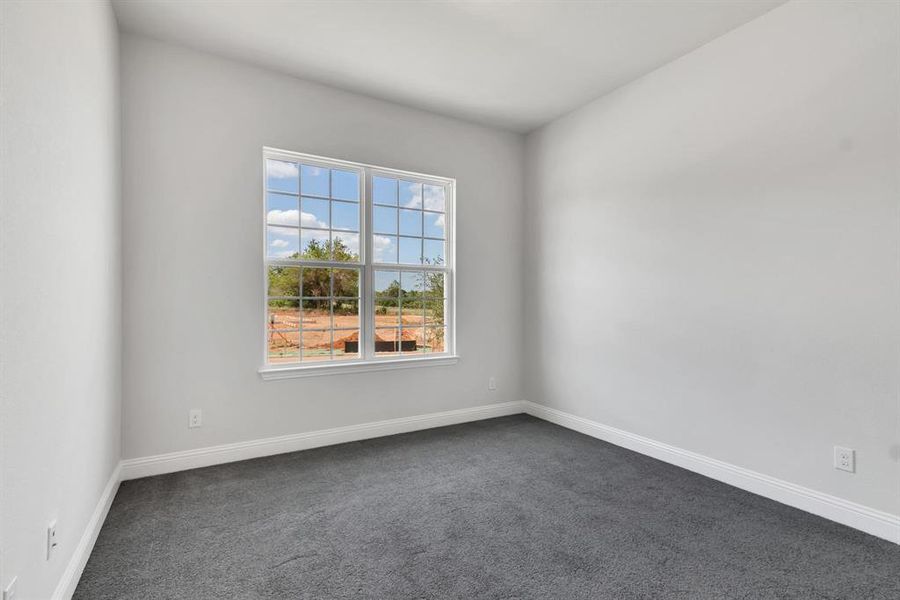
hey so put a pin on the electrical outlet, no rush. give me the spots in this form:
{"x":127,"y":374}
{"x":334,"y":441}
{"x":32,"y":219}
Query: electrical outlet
{"x":195,"y":418}
{"x":52,"y":543}
{"x":10,"y":592}
{"x":845,"y":459}
{"x":492,"y":384}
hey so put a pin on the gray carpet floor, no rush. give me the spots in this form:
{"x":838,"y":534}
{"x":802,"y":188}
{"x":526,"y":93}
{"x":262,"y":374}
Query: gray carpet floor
{"x":507,"y":508}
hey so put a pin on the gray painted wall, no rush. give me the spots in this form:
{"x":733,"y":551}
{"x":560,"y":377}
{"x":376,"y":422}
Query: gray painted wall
{"x":60,"y":280}
{"x":194,"y":128}
{"x":712,"y":251}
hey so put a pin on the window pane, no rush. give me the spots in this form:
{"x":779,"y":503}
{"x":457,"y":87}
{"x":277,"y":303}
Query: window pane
{"x":433,"y":252}
{"x":314,"y":180}
{"x":411,"y":312}
{"x":282,"y":209}
{"x":433,"y":197}
{"x":410,"y":251}
{"x":314,"y":213}
{"x":384,"y":220}
{"x":384,"y":191}
{"x":387,"y":313}
{"x":316,"y":282}
{"x":282,"y":176}
{"x":386,"y":341}
{"x":434,"y":225}
{"x":434,"y":285}
{"x":346,"y":344}
{"x":316,"y":345}
{"x":316,"y":313}
{"x":385,"y":247}
{"x":282,"y":242}
{"x":412,"y":340}
{"x":411,"y":282}
{"x":345,"y":185}
{"x":434,"y":312}
{"x":387,"y":284}
{"x":346,"y":283}
{"x":314,"y":244}
{"x":410,"y":194}
{"x":345,"y":215}
{"x":283,"y":346}
{"x":283,"y":314}
{"x":346,"y":313}
{"x":411,"y":222}
{"x":346,"y":246}
{"x":284,"y":281}
{"x":434,"y":339}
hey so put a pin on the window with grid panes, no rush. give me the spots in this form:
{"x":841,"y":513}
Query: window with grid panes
{"x":357,"y":262}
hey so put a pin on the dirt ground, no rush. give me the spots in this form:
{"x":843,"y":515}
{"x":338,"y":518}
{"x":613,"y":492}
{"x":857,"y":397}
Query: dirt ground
{"x":284,"y":337}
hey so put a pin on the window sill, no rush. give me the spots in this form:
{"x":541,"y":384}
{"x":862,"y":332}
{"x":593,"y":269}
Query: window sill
{"x":295,"y":371}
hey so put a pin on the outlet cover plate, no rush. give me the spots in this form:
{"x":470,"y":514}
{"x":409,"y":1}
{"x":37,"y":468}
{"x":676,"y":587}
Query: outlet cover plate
{"x":52,"y":542}
{"x":845,"y":459}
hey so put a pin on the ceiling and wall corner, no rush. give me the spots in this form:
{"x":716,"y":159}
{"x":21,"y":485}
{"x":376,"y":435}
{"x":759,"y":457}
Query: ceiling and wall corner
{"x":513,"y":65}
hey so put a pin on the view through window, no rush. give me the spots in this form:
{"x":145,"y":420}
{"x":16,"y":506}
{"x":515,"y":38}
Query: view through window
{"x":357,"y":262}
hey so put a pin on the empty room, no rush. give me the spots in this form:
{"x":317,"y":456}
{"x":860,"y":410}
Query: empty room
{"x":450,"y":299}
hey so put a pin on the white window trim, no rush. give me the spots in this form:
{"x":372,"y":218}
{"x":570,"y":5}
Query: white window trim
{"x":368,"y":361}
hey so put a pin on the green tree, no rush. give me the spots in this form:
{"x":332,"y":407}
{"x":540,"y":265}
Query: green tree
{"x":434,"y":304}
{"x":284,"y":281}
{"x":336,"y":250}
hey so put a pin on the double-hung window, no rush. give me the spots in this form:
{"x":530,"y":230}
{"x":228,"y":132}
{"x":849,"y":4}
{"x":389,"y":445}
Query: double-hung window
{"x":358,"y":266}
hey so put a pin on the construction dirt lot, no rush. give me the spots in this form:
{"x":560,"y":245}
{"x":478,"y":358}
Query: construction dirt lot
{"x":284,"y":336}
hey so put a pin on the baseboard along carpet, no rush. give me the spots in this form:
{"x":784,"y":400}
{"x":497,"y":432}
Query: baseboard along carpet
{"x":512,"y":507}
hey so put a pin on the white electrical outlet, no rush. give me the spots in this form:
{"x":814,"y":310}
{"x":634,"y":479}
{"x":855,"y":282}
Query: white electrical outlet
{"x":492,"y":384}
{"x":10,"y":592}
{"x":52,"y":543}
{"x":845,"y":459}
{"x":195,"y":418}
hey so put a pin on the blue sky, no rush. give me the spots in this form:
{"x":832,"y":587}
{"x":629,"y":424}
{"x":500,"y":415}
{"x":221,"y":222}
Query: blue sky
{"x":398,"y":210}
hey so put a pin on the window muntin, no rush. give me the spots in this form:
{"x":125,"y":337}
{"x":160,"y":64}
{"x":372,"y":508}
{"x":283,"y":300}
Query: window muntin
{"x":408,"y":221}
{"x":326,"y":302}
{"x":409,"y":312}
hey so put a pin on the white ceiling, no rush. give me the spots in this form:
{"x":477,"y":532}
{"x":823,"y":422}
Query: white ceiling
{"x":509,"y":64}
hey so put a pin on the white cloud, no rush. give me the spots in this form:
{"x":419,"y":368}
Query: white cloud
{"x":434,"y":197}
{"x":415,"y":192}
{"x":351,"y":240}
{"x":381,"y":245}
{"x":283,"y":217}
{"x":432,"y":222}
{"x":293,"y":218}
{"x":313,"y":234}
{"x":310,"y":220}
{"x":281,"y":170}
{"x":279,"y":247}
{"x":288,"y":231}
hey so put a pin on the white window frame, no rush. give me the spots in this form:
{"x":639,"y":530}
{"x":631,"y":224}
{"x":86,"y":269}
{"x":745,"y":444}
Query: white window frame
{"x":368,"y":361}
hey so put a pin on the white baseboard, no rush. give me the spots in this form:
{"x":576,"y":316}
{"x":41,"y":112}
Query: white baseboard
{"x":134,"y":468}
{"x":875,"y":522}
{"x":69,"y":581}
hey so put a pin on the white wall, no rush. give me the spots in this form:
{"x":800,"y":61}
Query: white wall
{"x":194,"y":128}
{"x":712,"y":251}
{"x":60,"y":280}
